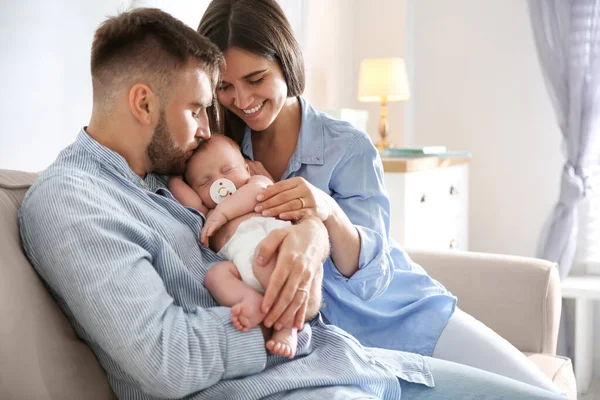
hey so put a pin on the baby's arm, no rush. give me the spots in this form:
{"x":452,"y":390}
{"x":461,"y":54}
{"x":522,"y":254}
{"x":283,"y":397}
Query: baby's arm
{"x":186,"y":195}
{"x":243,"y":200}
{"x":240,"y":203}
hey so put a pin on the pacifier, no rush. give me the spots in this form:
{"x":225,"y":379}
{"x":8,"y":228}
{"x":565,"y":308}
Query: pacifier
{"x":220,"y":189}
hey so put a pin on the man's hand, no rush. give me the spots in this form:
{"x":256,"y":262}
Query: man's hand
{"x":296,"y":280}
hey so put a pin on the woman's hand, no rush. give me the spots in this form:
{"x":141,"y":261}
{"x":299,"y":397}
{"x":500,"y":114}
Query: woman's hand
{"x":296,"y":280}
{"x":293,"y":199}
{"x":256,"y":168}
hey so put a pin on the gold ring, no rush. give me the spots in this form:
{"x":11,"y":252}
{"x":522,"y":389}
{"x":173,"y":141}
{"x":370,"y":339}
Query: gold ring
{"x":301,"y":289}
{"x":302,"y":201}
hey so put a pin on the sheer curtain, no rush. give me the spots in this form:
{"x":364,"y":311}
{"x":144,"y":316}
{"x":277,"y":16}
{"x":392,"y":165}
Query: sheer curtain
{"x":568,"y":44}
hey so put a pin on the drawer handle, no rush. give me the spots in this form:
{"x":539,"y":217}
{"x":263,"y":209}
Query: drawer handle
{"x":453,"y":244}
{"x":423,"y":198}
{"x":453,"y":191}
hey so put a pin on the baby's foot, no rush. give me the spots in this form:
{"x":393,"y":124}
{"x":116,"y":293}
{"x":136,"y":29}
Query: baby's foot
{"x":246,"y":314}
{"x":284,"y":342}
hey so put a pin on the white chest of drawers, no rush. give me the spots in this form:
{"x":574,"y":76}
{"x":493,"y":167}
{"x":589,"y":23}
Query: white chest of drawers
{"x":429,"y":201}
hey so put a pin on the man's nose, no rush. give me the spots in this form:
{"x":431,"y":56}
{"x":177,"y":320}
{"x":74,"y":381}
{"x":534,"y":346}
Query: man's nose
{"x":203,"y":131}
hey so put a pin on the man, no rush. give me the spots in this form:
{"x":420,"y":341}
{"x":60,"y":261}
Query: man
{"x":122,"y":256}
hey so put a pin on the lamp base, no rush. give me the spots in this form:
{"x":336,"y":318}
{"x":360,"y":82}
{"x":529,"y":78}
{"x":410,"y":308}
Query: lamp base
{"x":384,"y":130}
{"x":383,"y":144}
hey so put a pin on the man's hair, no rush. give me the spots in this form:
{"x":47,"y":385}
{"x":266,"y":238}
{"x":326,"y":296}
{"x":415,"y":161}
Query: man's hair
{"x":149,"y":46}
{"x":260,"y":27}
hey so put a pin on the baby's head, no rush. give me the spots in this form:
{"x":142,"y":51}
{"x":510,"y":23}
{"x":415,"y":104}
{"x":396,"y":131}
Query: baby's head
{"x":216,"y":158}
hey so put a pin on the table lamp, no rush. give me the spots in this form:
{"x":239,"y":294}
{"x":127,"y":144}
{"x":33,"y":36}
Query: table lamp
{"x":383,"y":80}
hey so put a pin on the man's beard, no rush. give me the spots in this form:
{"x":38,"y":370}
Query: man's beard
{"x":165,"y":156}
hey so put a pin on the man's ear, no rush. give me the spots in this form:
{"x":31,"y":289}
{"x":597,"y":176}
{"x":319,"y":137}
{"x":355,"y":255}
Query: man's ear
{"x":143,"y":103}
{"x":247,"y":167}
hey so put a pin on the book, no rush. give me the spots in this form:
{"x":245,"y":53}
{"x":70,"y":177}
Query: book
{"x":413,"y":151}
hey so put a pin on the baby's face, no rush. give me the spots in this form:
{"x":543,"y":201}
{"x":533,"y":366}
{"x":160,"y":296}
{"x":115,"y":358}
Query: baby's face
{"x":218,"y":159}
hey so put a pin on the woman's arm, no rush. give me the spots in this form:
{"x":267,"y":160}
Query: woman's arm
{"x":358,"y":187}
{"x":309,"y":200}
{"x":345,"y":242}
{"x":359,"y":192}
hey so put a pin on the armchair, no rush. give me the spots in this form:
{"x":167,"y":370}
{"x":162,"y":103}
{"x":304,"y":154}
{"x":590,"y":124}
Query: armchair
{"x":41,"y":357}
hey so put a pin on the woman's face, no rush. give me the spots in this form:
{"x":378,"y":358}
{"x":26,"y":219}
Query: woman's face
{"x":252,"y":87}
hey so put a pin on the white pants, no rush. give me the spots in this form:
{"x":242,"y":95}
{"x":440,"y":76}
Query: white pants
{"x":467,"y":341}
{"x":240,"y":248}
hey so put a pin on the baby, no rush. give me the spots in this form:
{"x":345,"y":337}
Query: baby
{"x":222,"y":189}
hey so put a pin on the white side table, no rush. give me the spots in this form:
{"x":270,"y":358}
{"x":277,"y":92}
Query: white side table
{"x":429,"y":200}
{"x":585,"y":290}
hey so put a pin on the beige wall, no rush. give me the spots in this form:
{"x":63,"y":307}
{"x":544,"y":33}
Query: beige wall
{"x":328,"y":53}
{"x":478,"y":87}
{"x":339,"y":34}
{"x":44,"y":76}
{"x":44,"y":72}
{"x":380,"y":32}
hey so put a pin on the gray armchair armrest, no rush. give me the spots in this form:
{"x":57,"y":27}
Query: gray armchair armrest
{"x":517,"y":297}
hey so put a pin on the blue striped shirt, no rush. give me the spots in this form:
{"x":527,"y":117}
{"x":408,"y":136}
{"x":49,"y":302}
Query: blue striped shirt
{"x":390,"y":302}
{"x":121,"y":257}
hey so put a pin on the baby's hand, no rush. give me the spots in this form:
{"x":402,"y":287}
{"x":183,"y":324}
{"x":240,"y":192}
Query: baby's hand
{"x":214,"y":222}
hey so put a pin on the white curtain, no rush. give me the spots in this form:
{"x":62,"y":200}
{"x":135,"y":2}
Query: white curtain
{"x":568,"y":44}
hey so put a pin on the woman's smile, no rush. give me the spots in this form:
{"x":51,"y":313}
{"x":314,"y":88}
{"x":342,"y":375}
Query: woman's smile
{"x":249,"y":113}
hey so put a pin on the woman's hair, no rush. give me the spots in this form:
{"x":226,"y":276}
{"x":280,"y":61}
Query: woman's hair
{"x":260,"y":27}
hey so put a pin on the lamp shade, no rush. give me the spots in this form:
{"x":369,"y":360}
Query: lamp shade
{"x":383,"y":79}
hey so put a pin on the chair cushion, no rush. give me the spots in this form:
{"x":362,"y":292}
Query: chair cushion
{"x":40,"y":356}
{"x":559,"y":369}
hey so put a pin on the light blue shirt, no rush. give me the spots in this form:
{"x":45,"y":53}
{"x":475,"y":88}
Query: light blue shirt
{"x":122,"y":259}
{"x":390,"y":302}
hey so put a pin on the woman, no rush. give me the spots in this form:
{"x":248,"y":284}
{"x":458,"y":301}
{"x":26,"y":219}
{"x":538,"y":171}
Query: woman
{"x":328,"y":168}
